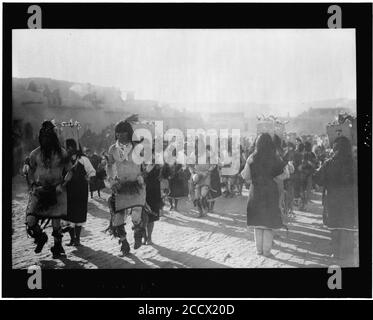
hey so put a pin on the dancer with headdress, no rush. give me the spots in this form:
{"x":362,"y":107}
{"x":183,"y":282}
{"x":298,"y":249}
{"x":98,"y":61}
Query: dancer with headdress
{"x":127,"y":184}
{"x":48,"y":166}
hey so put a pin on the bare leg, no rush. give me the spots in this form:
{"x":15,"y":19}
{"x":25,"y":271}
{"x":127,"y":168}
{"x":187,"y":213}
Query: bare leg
{"x":171,"y":203}
{"x":150,"y":228}
{"x":267,"y":241}
{"x":258,"y":234}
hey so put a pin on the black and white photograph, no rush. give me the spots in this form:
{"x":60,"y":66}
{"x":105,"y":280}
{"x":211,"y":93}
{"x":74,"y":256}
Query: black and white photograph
{"x":184,"y":148}
{"x":291,"y":201}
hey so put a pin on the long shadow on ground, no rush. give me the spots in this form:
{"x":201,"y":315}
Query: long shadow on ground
{"x":105,"y":260}
{"x":189,"y":260}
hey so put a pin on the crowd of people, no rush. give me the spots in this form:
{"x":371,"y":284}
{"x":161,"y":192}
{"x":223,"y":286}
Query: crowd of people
{"x":278,"y":175}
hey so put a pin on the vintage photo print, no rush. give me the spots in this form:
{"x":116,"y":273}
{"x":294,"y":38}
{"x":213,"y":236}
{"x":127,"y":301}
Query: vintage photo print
{"x":184,"y":148}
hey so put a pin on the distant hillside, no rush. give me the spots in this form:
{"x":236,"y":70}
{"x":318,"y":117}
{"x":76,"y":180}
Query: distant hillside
{"x":95,"y":107}
{"x":36,"y":99}
{"x":253,"y":109}
{"x":58,"y":93}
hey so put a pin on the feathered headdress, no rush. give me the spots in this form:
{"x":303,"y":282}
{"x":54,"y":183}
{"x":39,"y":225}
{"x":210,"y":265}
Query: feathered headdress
{"x":70,"y":130}
{"x":132,"y":119}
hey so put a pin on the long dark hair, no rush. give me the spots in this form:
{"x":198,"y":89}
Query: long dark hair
{"x":52,"y":145}
{"x":265,"y":152}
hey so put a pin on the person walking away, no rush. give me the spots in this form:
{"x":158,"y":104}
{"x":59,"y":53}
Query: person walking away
{"x":338,"y":176}
{"x":77,"y":191}
{"x":153,"y":197}
{"x":263,"y":211}
{"x":280,"y":179}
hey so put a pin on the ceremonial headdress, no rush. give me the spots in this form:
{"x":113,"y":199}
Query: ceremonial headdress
{"x":344,"y":125}
{"x":270,"y":125}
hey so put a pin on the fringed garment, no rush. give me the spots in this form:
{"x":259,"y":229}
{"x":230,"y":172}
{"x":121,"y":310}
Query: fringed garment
{"x":45,"y":202}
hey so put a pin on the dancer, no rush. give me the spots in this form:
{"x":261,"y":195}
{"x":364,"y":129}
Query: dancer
{"x":47,"y":200}
{"x":128,"y":187}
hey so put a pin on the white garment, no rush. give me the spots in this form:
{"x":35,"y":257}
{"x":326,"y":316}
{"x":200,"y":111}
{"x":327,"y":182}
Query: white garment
{"x":122,"y":151}
{"x":245,"y":173}
{"x":149,"y":167}
{"x":91,"y":172}
{"x":288,"y":169}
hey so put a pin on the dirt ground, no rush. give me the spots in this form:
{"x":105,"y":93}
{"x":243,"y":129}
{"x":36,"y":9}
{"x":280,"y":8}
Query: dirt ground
{"x":181,"y":240}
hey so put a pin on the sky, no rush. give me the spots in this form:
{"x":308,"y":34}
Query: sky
{"x":196,"y":66}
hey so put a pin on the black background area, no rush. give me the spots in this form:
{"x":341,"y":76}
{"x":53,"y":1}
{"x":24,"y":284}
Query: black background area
{"x":356,"y":282}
